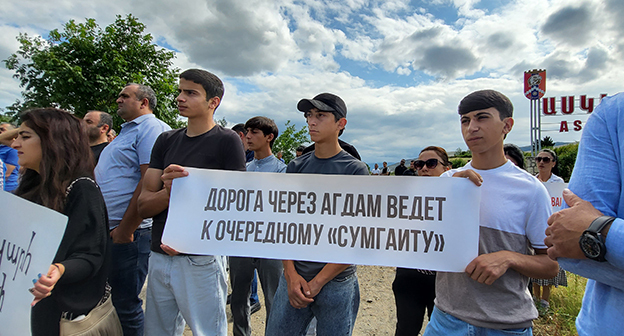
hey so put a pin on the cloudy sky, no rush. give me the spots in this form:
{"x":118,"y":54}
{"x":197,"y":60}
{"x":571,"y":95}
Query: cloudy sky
{"x":401,"y":66}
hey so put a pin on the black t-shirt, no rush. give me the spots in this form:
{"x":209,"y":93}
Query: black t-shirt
{"x":399,"y":170}
{"x":219,"y":148}
{"x":342,"y":164}
{"x":347,"y":147}
{"x":97,"y":150}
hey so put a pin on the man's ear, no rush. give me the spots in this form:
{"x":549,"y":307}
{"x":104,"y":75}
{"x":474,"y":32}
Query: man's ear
{"x":214,"y":102}
{"x":270,"y":137}
{"x":342,"y":123}
{"x":509,"y":122}
{"x":105,"y":129}
{"x":144,"y":103}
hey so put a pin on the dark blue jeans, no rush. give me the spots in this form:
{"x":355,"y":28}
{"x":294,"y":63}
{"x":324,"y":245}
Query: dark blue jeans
{"x":127,"y":277}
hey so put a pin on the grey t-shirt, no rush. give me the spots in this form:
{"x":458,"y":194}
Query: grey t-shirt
{"x":340,"y":164}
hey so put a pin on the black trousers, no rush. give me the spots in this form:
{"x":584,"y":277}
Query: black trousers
{"x":413,"y":292}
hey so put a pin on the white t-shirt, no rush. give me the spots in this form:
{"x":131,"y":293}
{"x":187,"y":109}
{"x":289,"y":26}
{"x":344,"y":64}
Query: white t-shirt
{"x":513,"y":214}
{"x":375,"y":171}
{"x":554,"y":179}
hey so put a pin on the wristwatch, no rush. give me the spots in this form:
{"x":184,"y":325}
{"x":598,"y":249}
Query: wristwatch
{"x":592,"y":240}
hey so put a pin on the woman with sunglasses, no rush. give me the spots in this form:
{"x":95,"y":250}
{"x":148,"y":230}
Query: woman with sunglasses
{"x":414,"y":289}
{"x":546,"y":162}
{"x":54,"y":152}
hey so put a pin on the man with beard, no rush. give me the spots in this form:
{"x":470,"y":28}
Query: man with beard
{"x":98,"y":125}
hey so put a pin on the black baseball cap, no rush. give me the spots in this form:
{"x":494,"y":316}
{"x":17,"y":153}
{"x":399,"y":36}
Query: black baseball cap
{"x":326,"y":102}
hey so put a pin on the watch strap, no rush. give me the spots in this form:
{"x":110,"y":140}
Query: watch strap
{"x":599,"y":223}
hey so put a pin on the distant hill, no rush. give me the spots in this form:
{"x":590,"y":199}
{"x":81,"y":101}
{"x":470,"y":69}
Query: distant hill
{"x":557,"y":144}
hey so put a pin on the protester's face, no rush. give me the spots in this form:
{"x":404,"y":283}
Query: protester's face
{"x":28,"y":146}
{"x":128,"y":106}
{"x":483,"y":130}
{"x":192,"y":100}
{"x":323,"y":125}
{"x":542,"y":165}
{"x":435,"y":171}
{"x":385,"y":164}
{"x":411,"y":164}
{"x":256,"y":140}
{"x":4,"y":128}
{"x":376,"y":166}
{"x":298,"y":153}
{"x":91,"y":121}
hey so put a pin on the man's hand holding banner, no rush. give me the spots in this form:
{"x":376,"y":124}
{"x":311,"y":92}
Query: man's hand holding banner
{"x":428,"y":223}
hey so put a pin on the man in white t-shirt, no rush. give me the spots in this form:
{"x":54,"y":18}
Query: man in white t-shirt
{"x":491,"y":297}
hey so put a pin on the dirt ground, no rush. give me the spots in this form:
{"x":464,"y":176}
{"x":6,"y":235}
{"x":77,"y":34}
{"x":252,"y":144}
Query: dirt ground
{"x":377,"y":313}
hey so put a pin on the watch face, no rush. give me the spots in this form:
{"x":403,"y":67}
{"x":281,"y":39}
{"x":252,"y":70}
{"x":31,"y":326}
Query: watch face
{"x":590,"y":246}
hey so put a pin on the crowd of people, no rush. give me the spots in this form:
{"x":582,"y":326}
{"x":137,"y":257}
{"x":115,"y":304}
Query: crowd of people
{"x":117,"y":205}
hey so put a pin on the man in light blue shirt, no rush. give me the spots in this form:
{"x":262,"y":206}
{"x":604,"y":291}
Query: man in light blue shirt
{"x":588,"y":238}
{"x":119,"y":173}
{"x":261,"y":133}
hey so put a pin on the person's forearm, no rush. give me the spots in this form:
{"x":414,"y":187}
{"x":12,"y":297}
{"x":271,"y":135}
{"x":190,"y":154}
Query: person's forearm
{"x":599,"y":271}
{"x":152,"y":203}
{"x":131,"y":218}
{"x":329,"y":272}
{"x":538,"y":266}
{"x":6,"y":138}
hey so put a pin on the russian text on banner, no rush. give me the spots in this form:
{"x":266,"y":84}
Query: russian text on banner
{"x":30,"y":235}
{"x":429,"y":223}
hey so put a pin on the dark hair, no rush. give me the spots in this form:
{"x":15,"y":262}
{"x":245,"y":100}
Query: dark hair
{"x":441,"y":153}
{"x":301,"y":148}
{"x":210,"y":82}
{"x":143,"y":92}
{"x":553,"y":155}
{"x":105,"y":119}
{"x":484,"y":99}
{"x":65,"y":156}
{"x":515,"y":153}
{"x":266,"y":125}
{"x":239,"y":128}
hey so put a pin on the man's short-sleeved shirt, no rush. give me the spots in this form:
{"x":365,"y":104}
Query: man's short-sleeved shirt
{"x":269,"y":164}
{"x":339,"y":164}
{"x":118,"y":171}
{"x":8,"y":155}
{"x":219,"y":148}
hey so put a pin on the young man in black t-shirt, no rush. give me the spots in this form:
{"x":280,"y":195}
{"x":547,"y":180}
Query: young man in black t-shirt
{"x":329,"y":292}
{"x":189,"y":288}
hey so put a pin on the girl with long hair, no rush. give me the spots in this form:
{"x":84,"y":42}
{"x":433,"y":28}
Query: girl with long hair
{"x":54,"y":151}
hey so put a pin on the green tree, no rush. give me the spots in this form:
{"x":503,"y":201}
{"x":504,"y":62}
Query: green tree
{"x":547,"y":142}
{"x":289,"y":139}
{"x":566,"y":156}
{"x":84,"y":67}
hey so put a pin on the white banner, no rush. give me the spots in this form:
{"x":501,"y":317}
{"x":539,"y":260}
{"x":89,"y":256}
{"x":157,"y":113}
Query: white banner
{"x":30,"y":235}
{"x":555,"y":190}
{"x":419,"y":222}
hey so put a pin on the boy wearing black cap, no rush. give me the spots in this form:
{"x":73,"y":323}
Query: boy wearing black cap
{"x":329,"y":292}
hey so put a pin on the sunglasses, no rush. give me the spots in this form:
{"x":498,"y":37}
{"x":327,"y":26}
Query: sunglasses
{"x":540,"y":159}
{"x":431,"y":163}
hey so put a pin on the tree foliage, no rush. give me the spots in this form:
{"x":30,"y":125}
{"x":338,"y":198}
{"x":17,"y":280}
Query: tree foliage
{"x":547,"y":142}
{"x":566,"y":156}
{"x":459,"y":153}
{"x":289,"y":139}
{"x":84,"y":67}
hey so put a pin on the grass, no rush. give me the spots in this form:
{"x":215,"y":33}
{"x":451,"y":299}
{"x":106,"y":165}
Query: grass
{"x":565,"y":303}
